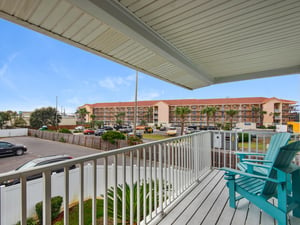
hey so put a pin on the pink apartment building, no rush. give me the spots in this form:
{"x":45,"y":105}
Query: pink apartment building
{"x":259,"y":110}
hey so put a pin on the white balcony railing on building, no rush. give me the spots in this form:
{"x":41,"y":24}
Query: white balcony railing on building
{"x":168,"y":168}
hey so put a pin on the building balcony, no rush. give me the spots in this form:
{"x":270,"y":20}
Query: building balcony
{"x":182,"y":174}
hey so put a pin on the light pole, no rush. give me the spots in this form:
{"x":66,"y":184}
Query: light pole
{"x":135,"y":103}
{"x":56,"y":121}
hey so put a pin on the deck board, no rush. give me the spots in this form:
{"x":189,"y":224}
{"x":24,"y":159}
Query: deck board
{"x":207,"y":204}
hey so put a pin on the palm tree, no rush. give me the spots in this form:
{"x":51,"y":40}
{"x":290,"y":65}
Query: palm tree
{"x":231,"y":113}
{"x":119,"y":116}
{"x":182,"y":112}
{"x":93,"y":116}
{"x":213,"y":111}
{"x":255,"y":111}
{"x":208,"y":111}
{"x":149,"y":114}
{"x":82,"y":112}
{"x":261,"y":116}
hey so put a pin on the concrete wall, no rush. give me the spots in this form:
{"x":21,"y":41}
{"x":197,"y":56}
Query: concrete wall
{"x":13,"y":132}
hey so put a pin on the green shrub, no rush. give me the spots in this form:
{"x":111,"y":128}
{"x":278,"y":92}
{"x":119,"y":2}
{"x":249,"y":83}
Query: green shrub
{"x":133,"y":140}
{"x":226,"y":126}
{"x":62,"y":140}
{"x":112,"y":136}
{"x":55,"y":208}
{"x":77,"y":131}
{"x":29,"y":221}
{"x":64,"y":130}
{"x":245,"y":139}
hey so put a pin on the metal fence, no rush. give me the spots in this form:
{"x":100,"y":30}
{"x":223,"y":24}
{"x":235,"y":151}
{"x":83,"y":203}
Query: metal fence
{"x":155,"y":173}
{"x":226,"y":143}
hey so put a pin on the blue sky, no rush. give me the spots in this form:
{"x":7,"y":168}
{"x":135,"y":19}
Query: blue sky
{"x":34,"y":69}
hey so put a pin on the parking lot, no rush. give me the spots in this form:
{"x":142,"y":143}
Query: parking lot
{"x":37,"y":148}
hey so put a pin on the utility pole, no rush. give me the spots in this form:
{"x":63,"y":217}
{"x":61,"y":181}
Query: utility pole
{"x":56,"y":115}
{"x":135,"y":103}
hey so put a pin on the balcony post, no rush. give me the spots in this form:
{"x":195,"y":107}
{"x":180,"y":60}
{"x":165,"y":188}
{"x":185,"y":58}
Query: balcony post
{"x":160,"y":188}
{"x":47,"y":198}
{"x":23,"y":200}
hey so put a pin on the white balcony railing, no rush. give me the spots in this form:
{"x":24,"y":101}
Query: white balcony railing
{"x":168,"y":168}
{"x":225,"y":143}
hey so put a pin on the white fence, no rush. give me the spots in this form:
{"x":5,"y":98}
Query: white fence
{"x":10,"y":196}
{"x":173,"y":165}
{"x":14,"y":132}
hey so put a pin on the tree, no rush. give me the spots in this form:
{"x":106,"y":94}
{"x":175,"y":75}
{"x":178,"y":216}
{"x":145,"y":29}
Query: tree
{"x":119,"y":116}
{"x":231,"y":113}
{"x":255,"y":111}
{"x":44,"y":116}
{"x":93,"y":116}
{"x":4,"y":118}
{"x":20,"y":122}
{"x":213,"y":111}
{"x":208,"y":112}
{"x":82,"y":112}
{"x":99,"y":123}
{"x":149,"y":114}
{"x":182,"y":113}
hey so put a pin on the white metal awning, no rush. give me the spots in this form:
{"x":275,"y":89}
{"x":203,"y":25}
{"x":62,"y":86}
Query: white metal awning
{"x":191,"y":43}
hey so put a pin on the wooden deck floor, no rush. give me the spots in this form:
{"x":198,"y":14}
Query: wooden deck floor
{"x":207,"y":204}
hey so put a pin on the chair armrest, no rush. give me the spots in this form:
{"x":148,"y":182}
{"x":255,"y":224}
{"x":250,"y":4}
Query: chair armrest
{"x":257,"y":165}
{"x":257,"y":160}
{"x":233,"y":172}
{"x":249,"y":153}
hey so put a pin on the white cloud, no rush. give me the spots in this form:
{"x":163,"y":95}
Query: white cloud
{"x":3,"y":70}
{"x":74,"y":100}
{"x":61,"y":71}
{"x":114,"y":83}
{"x":149,"y":95}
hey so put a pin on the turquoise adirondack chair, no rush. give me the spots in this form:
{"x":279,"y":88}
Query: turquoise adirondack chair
{"x":259,"y":188}
{"x":277,"y":140}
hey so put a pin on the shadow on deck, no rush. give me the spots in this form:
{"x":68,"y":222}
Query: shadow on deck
{"x":207,"y":204}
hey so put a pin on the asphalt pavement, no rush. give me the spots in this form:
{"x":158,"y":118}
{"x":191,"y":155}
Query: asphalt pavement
{"x":37,"y":147}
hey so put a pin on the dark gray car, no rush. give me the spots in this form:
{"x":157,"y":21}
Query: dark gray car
{"x":7,"y":148}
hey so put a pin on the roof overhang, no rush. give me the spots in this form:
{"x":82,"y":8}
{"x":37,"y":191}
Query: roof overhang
{"x":191,"y":44}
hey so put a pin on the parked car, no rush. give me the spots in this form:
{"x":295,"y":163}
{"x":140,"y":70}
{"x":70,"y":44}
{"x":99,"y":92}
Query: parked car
{"x":44,"y":128}
{"x":99,"y":132}
{"x":40,"y":162}
{"x":7,"y":148}
{"x":148,"y":130}
{"x":88,"y":131}
{"x":79,"y":128}
{"x":126,"y":129}
{"x":162,"y":128}
{"x":138,"y":134}
{"x":172,"y":131}
{"x":108,"y":128}
{"x":189,"y":130}
{"x":237,"y":129}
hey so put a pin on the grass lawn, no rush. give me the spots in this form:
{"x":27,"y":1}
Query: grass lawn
{"x":73,"y":214}
{"x":155,"y":137}
{"x":260,"y":146}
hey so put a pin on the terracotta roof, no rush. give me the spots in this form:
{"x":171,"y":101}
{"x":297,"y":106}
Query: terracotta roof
{"x":216,"y":101}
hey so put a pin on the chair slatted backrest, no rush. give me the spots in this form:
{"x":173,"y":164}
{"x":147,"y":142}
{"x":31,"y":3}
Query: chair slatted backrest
{"x":276,"y":142}
{"x":283,"y":160}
